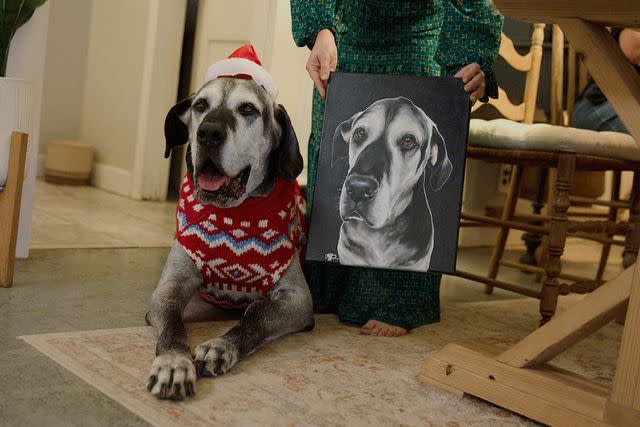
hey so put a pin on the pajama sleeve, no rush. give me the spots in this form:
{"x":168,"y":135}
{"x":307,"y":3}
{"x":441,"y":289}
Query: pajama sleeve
{"x":308,"y":17}
{"x":471,"y":32}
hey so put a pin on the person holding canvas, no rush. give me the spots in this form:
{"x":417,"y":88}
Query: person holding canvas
{"x":458,"y":38}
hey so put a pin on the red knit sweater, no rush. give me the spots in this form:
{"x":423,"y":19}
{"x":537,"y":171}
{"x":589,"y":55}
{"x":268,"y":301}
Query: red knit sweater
{"x":243,"y":251}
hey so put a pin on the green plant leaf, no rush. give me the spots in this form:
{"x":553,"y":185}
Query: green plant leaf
{"x":34,"y":4}
{"x":13,"y":15}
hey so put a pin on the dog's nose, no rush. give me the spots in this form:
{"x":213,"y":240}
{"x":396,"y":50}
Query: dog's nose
{"x":361,"y":187}
{"x":211,"y":133}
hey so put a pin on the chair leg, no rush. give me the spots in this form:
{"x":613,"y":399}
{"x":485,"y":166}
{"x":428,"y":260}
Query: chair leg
{"x":613,"y":216}
{"x":557,"y":234}
{"x":552,"y":175}
{"x":10,"y":199}
{"x":503,"y":231}
{"x":632,"y":241}
{"x":533,"y":240}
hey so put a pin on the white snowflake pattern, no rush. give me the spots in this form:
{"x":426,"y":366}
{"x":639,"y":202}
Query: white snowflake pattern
{"x":237,"y":233}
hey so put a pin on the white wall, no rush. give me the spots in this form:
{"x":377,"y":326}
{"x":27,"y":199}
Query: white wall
{"x":65,"y":70}
{"x":159,"y":92}
{"x":287,"y":67}
{"x":26,"y":61}
{"x":114,"y":75}
{"x":132,"y":76}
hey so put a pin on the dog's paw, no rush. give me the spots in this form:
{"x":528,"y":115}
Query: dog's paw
{"x":215,"y":357}
{"x":172,"y":376}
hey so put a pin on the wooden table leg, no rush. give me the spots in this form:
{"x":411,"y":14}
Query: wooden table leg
{"x":520,"y":380}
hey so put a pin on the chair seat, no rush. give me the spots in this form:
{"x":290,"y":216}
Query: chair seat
{"x":507,"y":134}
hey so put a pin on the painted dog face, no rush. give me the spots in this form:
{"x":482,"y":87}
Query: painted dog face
{"x":389,"y":145}
{"x":239,"y":141}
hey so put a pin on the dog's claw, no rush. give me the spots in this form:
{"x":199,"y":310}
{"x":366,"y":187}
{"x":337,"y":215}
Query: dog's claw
{"x":152,"y":381}
{"x":172,"y":376}
{"x":218,"y":368}
{"x":201,"y":369}
{"x":163,"y":391}
{"x":189,"y":389}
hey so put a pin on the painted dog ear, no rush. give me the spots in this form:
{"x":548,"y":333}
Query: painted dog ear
{"x":288,"y":157}
{"x":438,"y":161}
{"x":176,"y":131}
{"x":340,"y":146}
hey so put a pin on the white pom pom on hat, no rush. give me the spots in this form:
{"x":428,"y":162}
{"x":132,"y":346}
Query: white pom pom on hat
{"x":243,"y":63}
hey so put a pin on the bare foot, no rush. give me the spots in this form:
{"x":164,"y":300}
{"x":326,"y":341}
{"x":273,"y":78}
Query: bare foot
{"x":381,"y":329}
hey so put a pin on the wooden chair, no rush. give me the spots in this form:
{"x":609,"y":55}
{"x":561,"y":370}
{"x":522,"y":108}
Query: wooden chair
{"x":530,"y":64}
{"x":591,"y":185}
{"x":562,"y":150}
{"x":10,"y":197}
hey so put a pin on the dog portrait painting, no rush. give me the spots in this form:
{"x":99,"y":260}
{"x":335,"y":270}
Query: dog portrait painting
{"x":389,"y":182}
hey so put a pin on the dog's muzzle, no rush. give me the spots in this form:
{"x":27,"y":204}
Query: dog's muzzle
{"x":211,"y":134}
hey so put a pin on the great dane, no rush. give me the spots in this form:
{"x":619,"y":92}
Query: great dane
{"x":240,"y":143}
{"x":391,"y":146}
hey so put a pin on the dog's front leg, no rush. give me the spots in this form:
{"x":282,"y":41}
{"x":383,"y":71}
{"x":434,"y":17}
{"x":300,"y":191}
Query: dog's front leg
{"x":172,"y":374}
{"x":289,"y":309}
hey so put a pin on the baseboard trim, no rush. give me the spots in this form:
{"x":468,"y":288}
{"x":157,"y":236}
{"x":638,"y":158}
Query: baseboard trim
{"x":111,"y":178}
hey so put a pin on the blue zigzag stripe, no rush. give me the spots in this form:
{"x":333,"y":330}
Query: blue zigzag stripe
{"x":182,"y":220}
{"x":238,"y":248}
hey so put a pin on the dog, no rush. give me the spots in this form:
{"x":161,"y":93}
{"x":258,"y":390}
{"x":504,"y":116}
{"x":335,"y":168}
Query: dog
{"x":386,"y":221}
{"x":241,"y":149}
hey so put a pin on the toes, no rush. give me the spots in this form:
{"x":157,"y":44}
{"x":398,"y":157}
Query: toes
{"x":366,"y":328}
{"x":380,"y":329}
{"x":172,"y":376}
{"x":201,"y":369}
{"x":375,"y":330}
{"x":214,"y":358}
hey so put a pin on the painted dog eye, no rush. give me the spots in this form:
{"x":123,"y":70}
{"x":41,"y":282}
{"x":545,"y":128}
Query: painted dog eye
{"x":201,"y":105}
{"x":359,"y":135}
{"x":408,"y":142}
{"x":247,"y":108}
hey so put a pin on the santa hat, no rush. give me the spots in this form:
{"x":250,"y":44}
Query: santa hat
{"x":244,"y":64}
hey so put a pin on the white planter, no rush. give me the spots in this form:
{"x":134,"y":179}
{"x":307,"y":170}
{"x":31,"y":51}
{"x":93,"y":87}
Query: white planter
{"x":15,"y":115}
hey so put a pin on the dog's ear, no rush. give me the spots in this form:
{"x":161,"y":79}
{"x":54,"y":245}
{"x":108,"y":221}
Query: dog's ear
{"x":340,"y":146}
{"x":438,"y":160}
{"x":176,"y":131}
{"x":288,"y":157}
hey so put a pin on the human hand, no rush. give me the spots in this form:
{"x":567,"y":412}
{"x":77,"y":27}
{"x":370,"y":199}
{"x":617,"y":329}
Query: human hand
{"x":322,"y":60}
{"x":473,"y":79}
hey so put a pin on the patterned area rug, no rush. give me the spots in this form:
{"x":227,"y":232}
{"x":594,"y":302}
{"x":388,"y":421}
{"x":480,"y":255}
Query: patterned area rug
{"x":330,"y":376}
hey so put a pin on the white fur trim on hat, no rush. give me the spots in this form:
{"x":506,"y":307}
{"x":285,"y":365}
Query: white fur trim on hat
{"x":235,"y":66}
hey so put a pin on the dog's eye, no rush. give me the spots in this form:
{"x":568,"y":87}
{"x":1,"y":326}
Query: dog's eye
{"x":201,"y":105}
{"x":247,"y":108}
{"x":408,"y":142}
{"x":359,"y":135}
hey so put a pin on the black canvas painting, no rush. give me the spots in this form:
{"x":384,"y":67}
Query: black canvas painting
{"x":390,"y":172}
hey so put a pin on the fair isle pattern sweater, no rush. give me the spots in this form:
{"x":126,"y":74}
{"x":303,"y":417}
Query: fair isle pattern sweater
{"x":243,"y":251}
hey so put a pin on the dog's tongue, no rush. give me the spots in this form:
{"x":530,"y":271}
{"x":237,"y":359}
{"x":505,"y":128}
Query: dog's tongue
{"x":211,"y":180}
